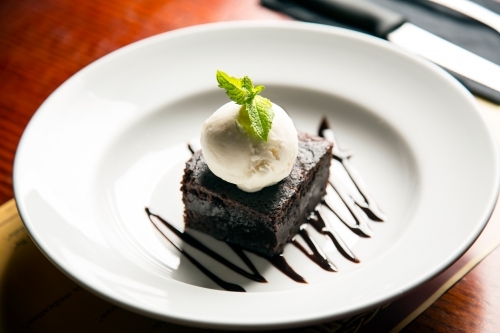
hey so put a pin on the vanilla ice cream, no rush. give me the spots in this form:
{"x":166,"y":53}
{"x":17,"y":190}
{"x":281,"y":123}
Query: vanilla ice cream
{"x":245,"y":160}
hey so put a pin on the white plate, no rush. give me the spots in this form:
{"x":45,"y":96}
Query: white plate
{"x":112,"y":141}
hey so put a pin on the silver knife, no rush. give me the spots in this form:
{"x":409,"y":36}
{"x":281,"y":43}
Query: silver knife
{"x":392,"y":26}
{"x":473,"y":10}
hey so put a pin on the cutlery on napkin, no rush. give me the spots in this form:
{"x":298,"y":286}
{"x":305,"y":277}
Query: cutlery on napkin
{"x":473,"y":10}
{"x":445,"y":23}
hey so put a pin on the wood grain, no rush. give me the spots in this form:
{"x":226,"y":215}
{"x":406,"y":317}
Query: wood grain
{"x":43,"y":43}
{"x":472,"y":305}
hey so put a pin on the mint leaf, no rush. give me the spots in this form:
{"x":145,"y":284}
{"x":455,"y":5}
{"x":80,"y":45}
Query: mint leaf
{"x":258,"y":89}
{"x":247,"y":84}
{"x":261,"y":116}
{"x":233,"y":86}
{"x":256,"y":114}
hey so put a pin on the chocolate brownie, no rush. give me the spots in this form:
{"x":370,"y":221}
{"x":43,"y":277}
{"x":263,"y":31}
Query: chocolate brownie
{"x":262,"y":221}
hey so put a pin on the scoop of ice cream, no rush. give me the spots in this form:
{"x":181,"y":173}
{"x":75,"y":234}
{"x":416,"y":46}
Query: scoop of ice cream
{"x":245,"y":160}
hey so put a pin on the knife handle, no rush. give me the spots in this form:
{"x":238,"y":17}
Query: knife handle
{"x":360,"y":14}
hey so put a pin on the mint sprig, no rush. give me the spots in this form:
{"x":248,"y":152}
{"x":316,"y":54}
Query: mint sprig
{"x":256,"y":114}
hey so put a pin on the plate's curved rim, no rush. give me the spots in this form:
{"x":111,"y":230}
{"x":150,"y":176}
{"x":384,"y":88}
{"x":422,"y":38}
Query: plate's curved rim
{"x":319,"y":317}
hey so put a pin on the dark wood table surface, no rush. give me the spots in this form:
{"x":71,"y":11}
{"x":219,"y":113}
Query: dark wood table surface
{"x":44,"y":42}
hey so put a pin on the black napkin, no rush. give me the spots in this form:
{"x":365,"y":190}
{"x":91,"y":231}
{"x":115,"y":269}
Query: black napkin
{"x":441,"y":21}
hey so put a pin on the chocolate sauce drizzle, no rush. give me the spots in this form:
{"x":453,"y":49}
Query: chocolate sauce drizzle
{"x":361,"y":212}
{"x":319,"y":224}
{"x":317,"y":256}
{"x":368,"y":205}
{"x":187,"y":238}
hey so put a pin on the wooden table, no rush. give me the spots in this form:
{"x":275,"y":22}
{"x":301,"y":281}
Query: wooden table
{"x":43,"y":43}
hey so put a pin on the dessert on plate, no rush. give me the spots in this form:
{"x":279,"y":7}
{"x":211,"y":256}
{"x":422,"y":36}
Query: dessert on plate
{"x":256,"y":180}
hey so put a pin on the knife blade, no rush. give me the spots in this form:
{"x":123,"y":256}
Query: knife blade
{"x":375,"y":20}
{"x":473,"y":10}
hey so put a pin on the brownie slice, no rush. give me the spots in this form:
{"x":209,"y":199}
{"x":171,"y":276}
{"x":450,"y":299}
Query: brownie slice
{"x":262,"y":221}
